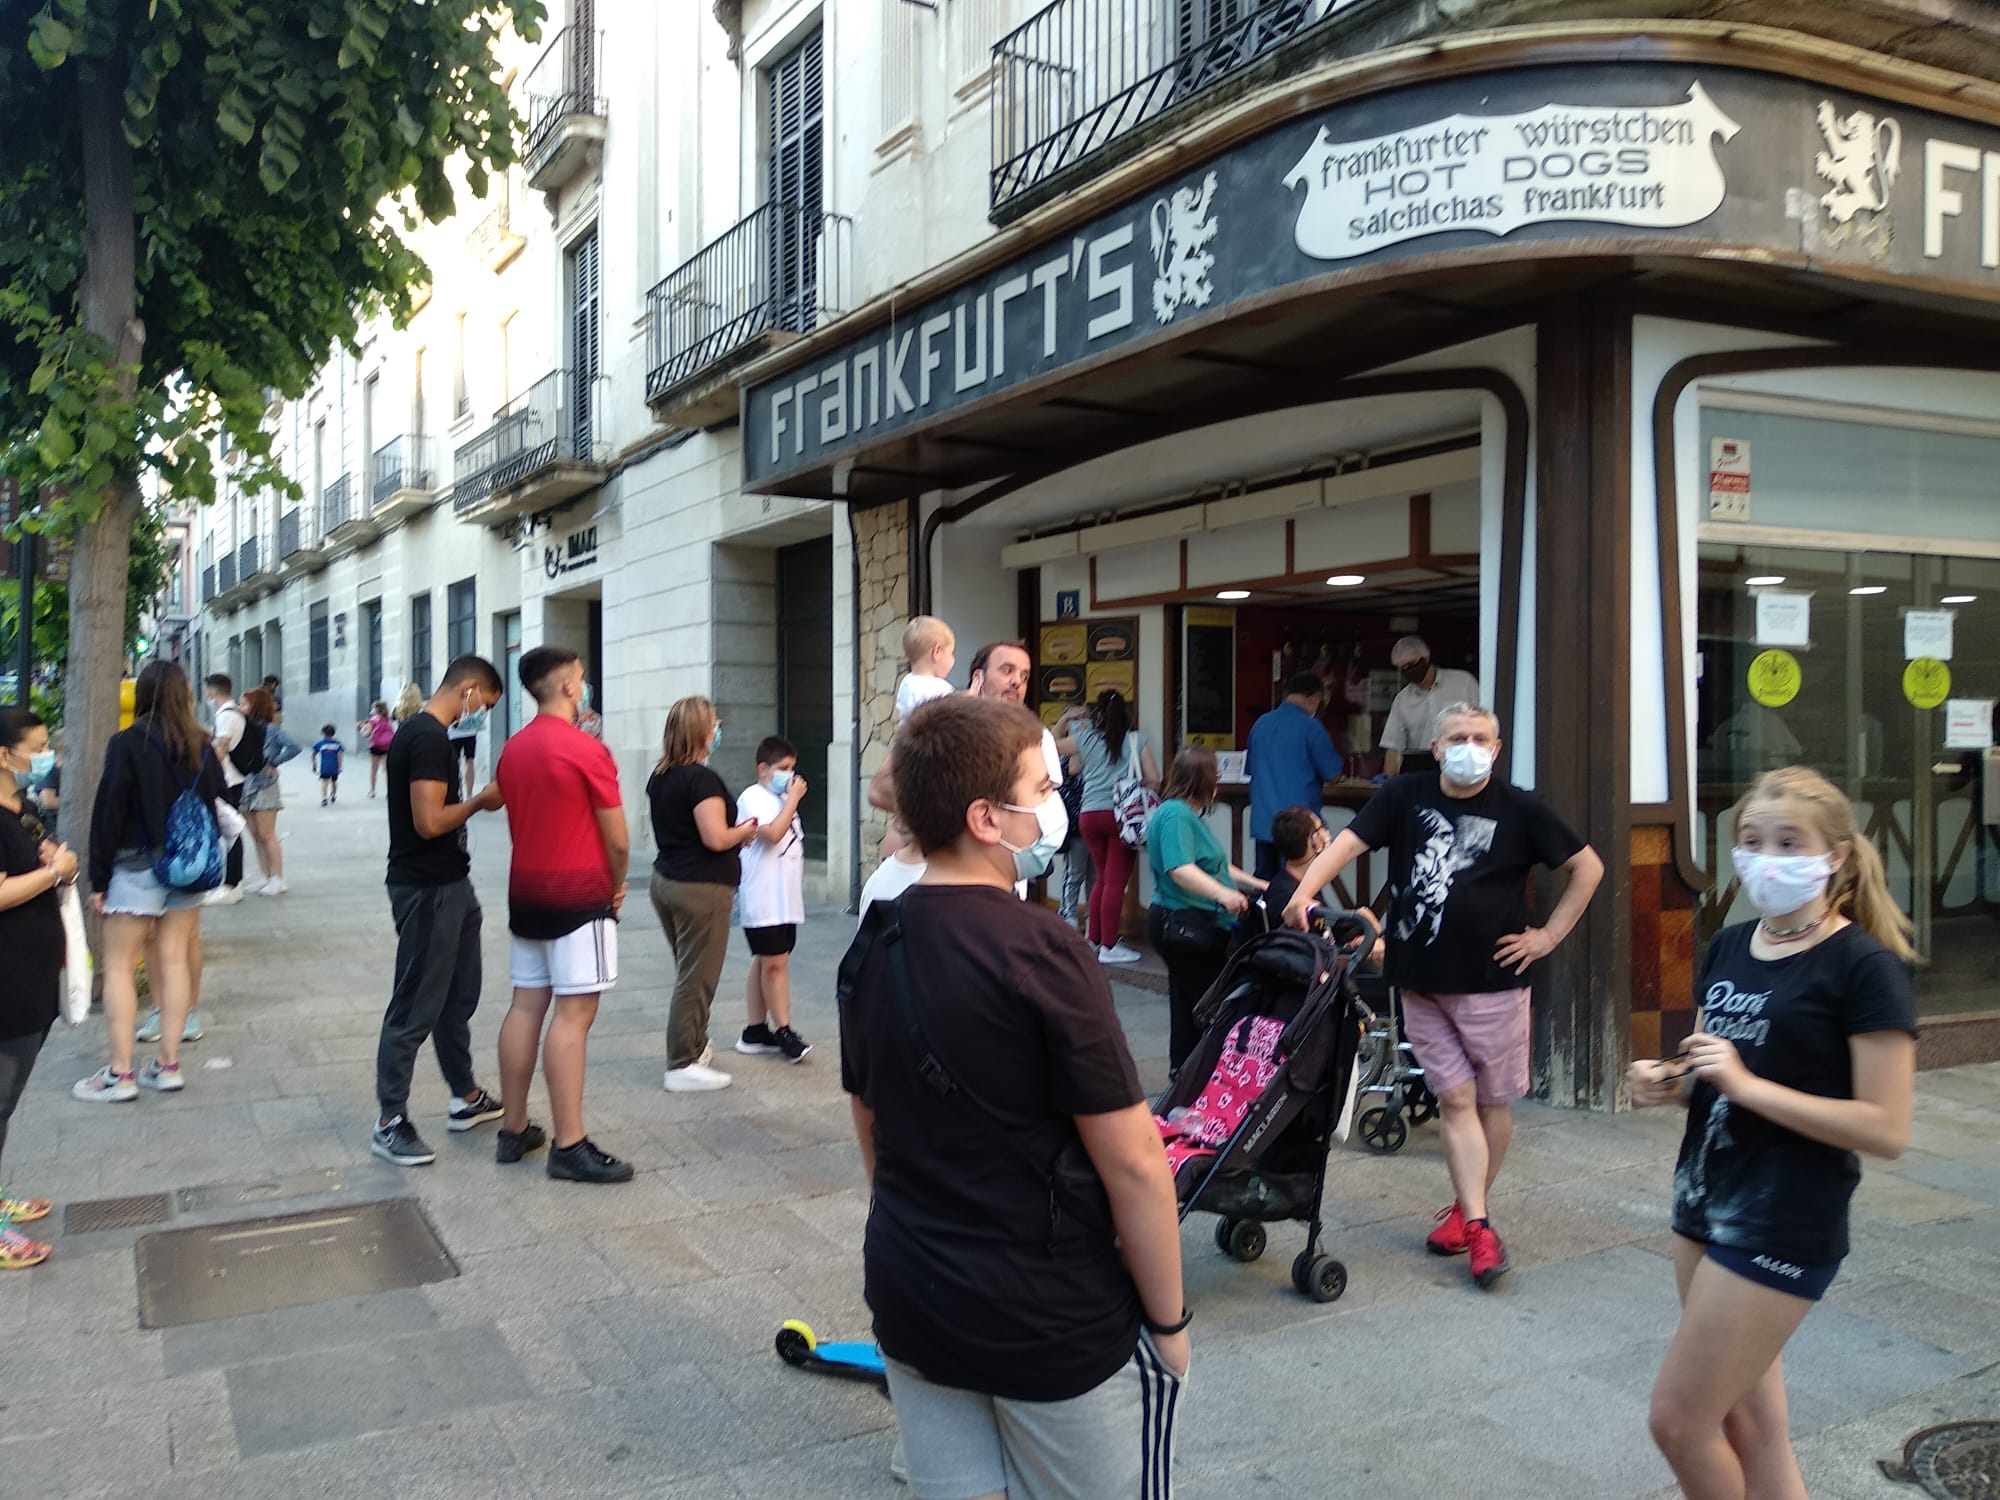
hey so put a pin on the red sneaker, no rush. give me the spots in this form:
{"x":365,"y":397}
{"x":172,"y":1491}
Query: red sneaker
{"x":1449,"y":1237}
{"x":1489,"y":1256}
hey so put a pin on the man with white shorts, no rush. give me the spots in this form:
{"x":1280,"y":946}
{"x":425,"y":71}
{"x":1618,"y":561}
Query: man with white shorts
{"x":564,"y":890}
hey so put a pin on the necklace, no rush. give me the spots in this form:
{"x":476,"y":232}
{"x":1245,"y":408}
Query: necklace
{"x":1793,"y":934}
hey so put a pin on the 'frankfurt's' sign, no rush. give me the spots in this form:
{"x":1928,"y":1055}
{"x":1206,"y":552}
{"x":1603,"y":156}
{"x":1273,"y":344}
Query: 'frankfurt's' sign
{"x":1607,"y":154}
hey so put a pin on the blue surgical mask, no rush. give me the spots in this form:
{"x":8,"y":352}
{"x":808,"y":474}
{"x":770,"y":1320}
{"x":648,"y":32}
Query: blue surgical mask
{"x":474,"y":720}
{"x":41,"y":763}
{"x":583,"y":699}
{"x":781,"y":783}
{"x":715,"y":740}
{"x":1032,"y":861}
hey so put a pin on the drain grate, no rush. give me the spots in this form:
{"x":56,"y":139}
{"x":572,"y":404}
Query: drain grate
{"x":239,"y":1194}
{"x":257,"y":1265}
{"x":114,"y":1213}
{"x":1957,"y":1461}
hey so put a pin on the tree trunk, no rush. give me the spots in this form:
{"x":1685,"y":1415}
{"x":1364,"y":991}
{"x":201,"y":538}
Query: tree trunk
{"x":109,"y":301}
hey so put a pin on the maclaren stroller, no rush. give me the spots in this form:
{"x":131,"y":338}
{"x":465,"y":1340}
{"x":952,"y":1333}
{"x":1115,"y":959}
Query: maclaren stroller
{"x":1250,"y":1117}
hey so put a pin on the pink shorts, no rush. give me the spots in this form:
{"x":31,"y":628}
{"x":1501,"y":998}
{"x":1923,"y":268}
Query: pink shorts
{"x":1463,"y":1038}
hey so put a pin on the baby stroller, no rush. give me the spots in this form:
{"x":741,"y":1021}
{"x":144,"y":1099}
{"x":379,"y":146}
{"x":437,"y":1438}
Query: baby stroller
{"x":1251,"y":1115}
{"x":1394,"y":1092}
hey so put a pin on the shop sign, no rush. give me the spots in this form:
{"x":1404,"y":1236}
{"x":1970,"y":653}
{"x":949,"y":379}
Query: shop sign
{"x":1069,"y":603}
{"x":1926,"y":682}
{"x":571,"y":554}
{"x":1774,"y":678}
{"x":1728,"y":479}
{"x":1713,"y":157}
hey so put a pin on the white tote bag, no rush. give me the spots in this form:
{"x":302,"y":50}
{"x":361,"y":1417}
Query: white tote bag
{"x":77,"y":964}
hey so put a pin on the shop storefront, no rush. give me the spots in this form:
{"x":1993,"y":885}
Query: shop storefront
{"x":1654,"y":393}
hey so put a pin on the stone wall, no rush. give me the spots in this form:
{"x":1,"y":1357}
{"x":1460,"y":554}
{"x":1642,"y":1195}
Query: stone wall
{"x":882,"y":566}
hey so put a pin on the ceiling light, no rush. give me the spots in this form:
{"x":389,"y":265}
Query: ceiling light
{"x":1870,"y":588}
{"x":1958,"y":599}
{"x":1764,"y":581}
{"x":1234,"y":594}
{"x":1345,"y":580}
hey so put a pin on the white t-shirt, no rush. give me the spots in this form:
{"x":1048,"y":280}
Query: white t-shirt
{"x":891,"y":878}
{"x":229,"y":725}
{"x":1413,"y":717}
{"x":773,"y":893}
{"x":913,"y":692}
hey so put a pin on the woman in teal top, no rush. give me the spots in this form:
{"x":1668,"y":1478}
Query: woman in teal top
{"x":1197,"y":894}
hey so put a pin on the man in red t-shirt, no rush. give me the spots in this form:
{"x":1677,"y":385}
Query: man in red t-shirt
{"x":563,"y":894}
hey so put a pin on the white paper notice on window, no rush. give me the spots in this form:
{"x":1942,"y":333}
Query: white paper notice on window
{"x":1968,"y":723}
{"x":1784,"y":619}
{"x":1927,"y":632}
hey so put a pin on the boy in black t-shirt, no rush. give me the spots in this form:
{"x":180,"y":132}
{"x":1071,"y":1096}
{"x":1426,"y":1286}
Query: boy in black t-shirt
{"x":1009,"y":1295}
{"x":1461,"y":847}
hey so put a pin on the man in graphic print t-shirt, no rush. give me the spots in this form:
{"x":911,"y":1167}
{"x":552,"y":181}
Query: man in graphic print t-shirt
{"x":1461,"y":846}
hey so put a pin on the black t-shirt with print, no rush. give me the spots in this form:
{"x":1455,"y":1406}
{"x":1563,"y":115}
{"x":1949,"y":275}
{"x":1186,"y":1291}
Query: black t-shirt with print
{"x":421,"y":751}
{"x":1742,"y":1180}
{"x":1458,"y":876}
{"x":958,"y":1267}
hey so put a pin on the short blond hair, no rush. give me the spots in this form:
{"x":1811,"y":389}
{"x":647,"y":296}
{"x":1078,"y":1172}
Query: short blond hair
{"x":923,"y":635}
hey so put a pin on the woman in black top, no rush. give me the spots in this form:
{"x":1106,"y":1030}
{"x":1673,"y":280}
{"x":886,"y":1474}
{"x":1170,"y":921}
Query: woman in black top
{"x":694,"y":882}
{"x":146,"y":768}
{"x":1804,"y":1054}
{"x":32,"y":868}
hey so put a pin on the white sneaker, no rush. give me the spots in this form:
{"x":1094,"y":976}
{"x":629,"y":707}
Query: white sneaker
{"x":227,"y":895}
{"x":105,"y":1087}
{"x":1117,"y":953}
{"x":275,"y":886}
{"x":696,"y":1078}
{"x":164,"y":1080}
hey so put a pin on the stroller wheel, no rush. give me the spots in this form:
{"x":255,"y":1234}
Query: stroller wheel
{"x":1224,"y":1228}
{"x":1246,"y":1240}
{"x":1319,"y":1277}
{"x":1419,"y":1103}
{"x":1383,"y":1131}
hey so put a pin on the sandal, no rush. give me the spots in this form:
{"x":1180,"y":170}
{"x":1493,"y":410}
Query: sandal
{"x":24,"y":1210}
{"x":18,"y":1252}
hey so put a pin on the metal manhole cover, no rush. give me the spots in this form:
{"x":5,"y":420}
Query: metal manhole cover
{"x":1956,"y":1461}
{"x":114,"y":1213}
{"x":237,"y":1194}
{"x":256,"y":1265}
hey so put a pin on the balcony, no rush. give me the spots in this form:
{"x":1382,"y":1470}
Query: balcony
{"x":492,"y":242}
{"x":299,"y":546}
{"x":344,"y":518}
{"x":402,"y":479}
{"x":208,"y":584}
{"x":565,"y":111}
{"x":539,"y":452}
{"x":1081,"y":77}
{"x":774,"y":276}
{"x":256,"y":570}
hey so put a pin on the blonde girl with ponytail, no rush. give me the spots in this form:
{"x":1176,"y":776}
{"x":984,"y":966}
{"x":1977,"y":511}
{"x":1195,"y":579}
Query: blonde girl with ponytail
{"x":1803,"y":1055}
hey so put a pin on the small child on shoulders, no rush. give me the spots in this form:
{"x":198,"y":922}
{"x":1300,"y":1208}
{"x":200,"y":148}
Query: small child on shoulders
{"x":930,"y":648}
{"x":329,"y":754}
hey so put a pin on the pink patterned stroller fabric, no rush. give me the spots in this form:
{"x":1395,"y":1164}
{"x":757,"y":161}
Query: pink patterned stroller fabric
{"x":1248,"y":1063}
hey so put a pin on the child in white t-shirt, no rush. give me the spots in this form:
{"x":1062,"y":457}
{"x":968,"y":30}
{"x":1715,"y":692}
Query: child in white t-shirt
{"x":928,"y":646}
{"x":772,"y":898}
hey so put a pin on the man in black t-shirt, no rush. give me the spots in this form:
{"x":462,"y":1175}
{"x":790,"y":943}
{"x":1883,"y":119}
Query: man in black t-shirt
{"x":1461,"y":847}
{"x":1022,"y":1230}
{"x":437,"y":917}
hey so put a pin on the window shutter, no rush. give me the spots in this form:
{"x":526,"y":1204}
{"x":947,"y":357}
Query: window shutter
{"x":584,"y":339}
{"x":795,"y":186}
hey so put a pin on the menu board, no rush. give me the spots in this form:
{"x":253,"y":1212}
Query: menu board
{"x":1208,"y":678}
{"x":1079,"y":659}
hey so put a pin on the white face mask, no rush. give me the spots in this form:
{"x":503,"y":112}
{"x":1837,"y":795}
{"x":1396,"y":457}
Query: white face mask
{"x":1468,"y":765}
{"x":1780,"y":883}
{"x":1032,"y":861}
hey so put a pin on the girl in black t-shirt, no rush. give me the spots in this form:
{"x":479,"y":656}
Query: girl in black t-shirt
{"x":1804,"y":1054}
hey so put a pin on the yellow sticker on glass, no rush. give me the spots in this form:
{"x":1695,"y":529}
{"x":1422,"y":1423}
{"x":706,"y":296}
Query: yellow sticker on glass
{"x":1926,"y":682}
{"x":1775,"y":678}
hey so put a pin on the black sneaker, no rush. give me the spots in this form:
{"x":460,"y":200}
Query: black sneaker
{"x":399,"y":1142}
{"x":583,"y":1162}
{"x":510,"y":1147}
{"x":466,"y":1113}
{"x":794,"y":1046}
{"x":758,"y":1041}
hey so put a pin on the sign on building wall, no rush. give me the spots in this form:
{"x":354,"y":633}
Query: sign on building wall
{"x":1595,"y":154}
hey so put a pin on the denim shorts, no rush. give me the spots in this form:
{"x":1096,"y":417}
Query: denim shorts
{"x":134,"y":892}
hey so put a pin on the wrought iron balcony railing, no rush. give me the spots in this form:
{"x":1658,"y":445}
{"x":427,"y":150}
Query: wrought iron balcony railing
{"x":562,"y":83}
{"x":288,"y":534}
{"x":784,"y":269}
{"x":1081,"y":74}
{"x":551,"y":421}
{"x":407,"y":463}
{"x":336,"y":505}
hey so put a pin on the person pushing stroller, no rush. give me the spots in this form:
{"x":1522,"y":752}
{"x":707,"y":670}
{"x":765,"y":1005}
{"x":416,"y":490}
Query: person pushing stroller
{"x":1461,"y":846}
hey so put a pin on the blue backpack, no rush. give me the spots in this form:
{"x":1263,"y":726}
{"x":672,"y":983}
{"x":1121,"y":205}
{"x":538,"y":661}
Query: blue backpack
{"x":191,"y":858}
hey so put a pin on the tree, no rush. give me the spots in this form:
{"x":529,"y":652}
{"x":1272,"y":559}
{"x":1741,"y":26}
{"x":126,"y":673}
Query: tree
{"x":199,"y":200}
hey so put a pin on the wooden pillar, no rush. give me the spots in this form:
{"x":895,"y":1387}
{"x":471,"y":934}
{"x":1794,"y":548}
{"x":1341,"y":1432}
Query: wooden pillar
{"x":1583,"y":566}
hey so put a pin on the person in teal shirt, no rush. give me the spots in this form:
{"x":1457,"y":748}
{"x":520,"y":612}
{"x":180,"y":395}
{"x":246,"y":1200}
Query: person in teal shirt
{"x":1197,"y":894}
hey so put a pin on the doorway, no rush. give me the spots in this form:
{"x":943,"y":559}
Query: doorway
{"x":805,"y":673}
{"x":369,"y":688}
{"x":507,"y":643}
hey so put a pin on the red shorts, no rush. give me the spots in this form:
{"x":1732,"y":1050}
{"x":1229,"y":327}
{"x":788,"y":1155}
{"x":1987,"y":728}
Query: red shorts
{"x":1480,"y":1038}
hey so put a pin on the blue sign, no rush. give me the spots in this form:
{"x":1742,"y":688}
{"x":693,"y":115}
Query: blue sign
{"x":1069,"y":604}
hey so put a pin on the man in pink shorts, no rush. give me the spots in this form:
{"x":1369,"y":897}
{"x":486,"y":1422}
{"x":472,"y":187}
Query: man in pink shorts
{"x":1461,"y":847}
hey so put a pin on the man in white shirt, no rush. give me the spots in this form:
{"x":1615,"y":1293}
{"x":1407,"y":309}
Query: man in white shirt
{"x":230,"y":724}
{"x":1428,"y":691}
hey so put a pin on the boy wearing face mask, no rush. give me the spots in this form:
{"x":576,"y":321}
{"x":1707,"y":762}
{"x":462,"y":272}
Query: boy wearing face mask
{"x":1460,"y":943}
{"x":772,"y":898}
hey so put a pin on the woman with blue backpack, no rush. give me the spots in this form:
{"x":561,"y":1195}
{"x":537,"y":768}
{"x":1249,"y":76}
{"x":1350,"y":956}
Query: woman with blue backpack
{"x":155,"y":853}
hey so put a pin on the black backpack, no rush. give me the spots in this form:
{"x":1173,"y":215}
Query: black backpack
{"x":248,"y":756}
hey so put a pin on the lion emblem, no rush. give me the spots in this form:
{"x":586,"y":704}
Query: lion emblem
{"x":1861,"y":160}
{"x":1182,"y":231}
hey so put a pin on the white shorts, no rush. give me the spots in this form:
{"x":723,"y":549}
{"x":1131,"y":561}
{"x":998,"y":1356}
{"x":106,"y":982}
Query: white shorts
{"x":583,"y":962}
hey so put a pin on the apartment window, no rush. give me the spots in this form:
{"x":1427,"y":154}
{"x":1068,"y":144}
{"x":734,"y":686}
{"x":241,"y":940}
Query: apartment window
{"x":461,"y":626}
{"x":583,"y":320}
{"x":319,"y":656}
{"x":420,"y":642}
{"x":417,"y":422}
{"x":319,"y":460}
{"x":794,"y":178}
{"x":461,"y":398}
{"x":370,"y":389}
{"x":507,"y":355}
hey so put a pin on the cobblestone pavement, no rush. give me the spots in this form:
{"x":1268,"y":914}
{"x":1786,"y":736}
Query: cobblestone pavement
{"x":615,"y":1341}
